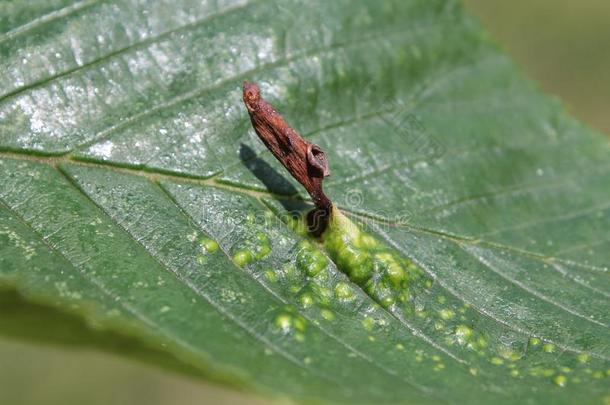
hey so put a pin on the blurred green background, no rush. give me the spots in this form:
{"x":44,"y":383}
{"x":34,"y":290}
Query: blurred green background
{"x":564,"y":45}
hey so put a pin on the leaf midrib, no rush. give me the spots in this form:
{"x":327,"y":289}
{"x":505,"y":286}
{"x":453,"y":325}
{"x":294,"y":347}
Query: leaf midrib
{"x":156,"y":176}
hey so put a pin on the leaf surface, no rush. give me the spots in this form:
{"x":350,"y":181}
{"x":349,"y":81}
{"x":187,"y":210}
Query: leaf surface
{"x":134,"y":195}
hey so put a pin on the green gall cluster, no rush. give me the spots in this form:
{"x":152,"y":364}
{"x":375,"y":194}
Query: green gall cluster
{"x":380,"y":271}
{"x":255,"y":249}
{"x":309,"y":260}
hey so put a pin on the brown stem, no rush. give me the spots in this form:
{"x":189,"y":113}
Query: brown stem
{"x":305,"y":161}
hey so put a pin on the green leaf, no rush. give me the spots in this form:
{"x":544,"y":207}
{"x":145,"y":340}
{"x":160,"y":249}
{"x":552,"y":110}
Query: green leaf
{"x":139,"y":211}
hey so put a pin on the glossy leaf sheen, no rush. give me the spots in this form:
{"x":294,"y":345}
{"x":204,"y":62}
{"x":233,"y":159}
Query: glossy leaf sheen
{"x":135,"y":195}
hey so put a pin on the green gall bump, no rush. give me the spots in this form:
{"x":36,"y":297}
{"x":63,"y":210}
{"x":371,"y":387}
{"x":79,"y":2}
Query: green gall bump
{"x":548,"y":348}
{"x":201,"y":259}
{"x":327,"y":314}
{"x":299,"y":324}
{"x":358,"y":265}
{"x":387,"y":302}
{"x":284,"y":323}
{"x":263,"y":251}
{"x":387,"y":277}
{"x":583,"y":357}
{"x":264,"y":246}
{"x":400,"y":347}
{"x":262,"y":238}
{"x":509,"y":354}
{"x":446,"y":314}
{"x":340,"y":239}
{"x":367,"y":242}
{"x":287,"y":324}
{"x":323,"y":295}
{"x":497,"y":361}
{"x":344,"y":291}
{"x":463,"y":333}
{"x":411,"y":266}
{"x":560,"y":380}
{"x":394,"y":270}
{"x":290,"y":271}
{"x":306,"y":300}
{"x":514,"y":356}
{"x":208,"y":245}
{"x":481,"y":342}
{"x":368,"y":324}
{"x":311,"y":261}
{"x":548,"y":372}
{"x":271,"y":276}
{"x":396,"y":274}
{"x":243,"y":257}
{"x":514,"y":373}
{"x":535,"y":341}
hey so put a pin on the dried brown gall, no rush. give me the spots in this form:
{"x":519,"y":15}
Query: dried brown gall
{"x":305,"y":161}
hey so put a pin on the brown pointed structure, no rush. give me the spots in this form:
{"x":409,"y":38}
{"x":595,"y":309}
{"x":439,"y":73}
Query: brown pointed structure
{"x":305,"y":161}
